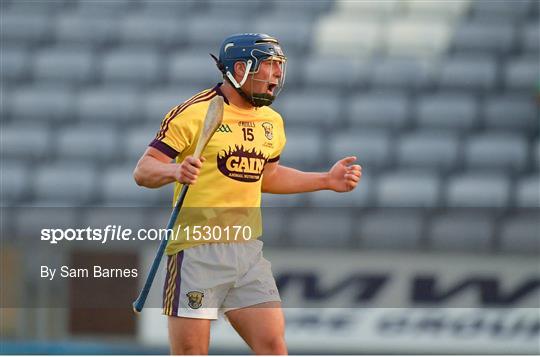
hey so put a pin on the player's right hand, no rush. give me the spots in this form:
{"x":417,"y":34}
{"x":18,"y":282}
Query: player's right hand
{"x":189,"y":170}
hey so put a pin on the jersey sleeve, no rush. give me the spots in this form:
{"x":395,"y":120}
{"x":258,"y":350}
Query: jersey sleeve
{"x":177,"y":132}
{"x":281,"y":140}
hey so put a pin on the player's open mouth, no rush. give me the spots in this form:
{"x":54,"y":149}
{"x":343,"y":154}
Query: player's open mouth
{"x":271,"y":88}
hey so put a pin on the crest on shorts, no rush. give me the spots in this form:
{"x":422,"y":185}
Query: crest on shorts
{"x":195,"y":299}
{"x":268,"y":130}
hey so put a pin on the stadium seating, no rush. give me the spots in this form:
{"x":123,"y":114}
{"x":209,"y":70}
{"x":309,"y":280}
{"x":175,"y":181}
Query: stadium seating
{"x":428,"y":149}
{"x":438,"y":100}
{"x":448,"y":111}
{"x":389,"y":229}
{"x":478,"y":190}
{"x":496,"y":151}
{"x":314,"y":228}
{"x":372,"y":147}
{"x":475,"y":73}
{"x":112,"y":104}
{"x":521,"y":234}
{"x":528,"y":192}
{"x":66,"y":182}
{"x":466,"y":231}
{"x":379,"y":109}
{"x":408,"y":189}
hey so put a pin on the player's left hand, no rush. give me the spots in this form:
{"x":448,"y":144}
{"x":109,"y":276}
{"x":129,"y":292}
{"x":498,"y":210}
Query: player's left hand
{"x":343,"y":176}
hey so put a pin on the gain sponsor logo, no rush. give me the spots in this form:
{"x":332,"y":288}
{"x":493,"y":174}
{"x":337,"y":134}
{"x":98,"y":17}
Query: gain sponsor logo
{"x":240,"y":164}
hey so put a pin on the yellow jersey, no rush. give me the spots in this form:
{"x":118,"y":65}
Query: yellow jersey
{"x":228,"y":189}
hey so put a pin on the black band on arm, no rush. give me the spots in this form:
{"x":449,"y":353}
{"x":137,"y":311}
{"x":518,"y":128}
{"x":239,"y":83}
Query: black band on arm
{"x":274,"y":159}
{"x":164,"y":148}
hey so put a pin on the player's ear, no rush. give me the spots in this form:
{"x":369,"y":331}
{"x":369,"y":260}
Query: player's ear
{"x":239,"y":69}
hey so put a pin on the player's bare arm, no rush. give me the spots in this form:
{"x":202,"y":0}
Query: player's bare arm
{"x":155,"y":169}
{"x":342,"y":177}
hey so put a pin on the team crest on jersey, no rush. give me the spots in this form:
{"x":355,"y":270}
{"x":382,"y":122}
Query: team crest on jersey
{"x":240,"y":164}
{"x":195,"y":299}
{"x":268,"y":130}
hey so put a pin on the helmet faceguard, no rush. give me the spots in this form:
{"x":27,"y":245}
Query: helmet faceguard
{"x":252,"y":50}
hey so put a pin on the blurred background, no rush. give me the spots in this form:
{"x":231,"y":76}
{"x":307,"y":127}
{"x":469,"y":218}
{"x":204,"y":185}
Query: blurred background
{"x":439,"y":100}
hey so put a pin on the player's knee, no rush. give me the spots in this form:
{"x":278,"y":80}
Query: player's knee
{"x":271,"y":346}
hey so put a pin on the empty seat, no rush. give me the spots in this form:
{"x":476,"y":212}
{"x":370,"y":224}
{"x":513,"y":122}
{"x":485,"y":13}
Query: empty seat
{"x":293,"y":36}
{"x":14,"y":176}
{"x":310,"y":107}
{"x":42,"y":103}
{"x":490,"y":37}
{"x":115,"y":7}
{"x":65,"y":182}
{"x":466,"y":231}
{"x":511,"y":112}
{"x":367,"y":8}
{"x":15,"y":64}
{"x":447,"y":111}
{"x":361,"y":196}
{"x":536,"y":154}
{"x":478,"y":190}
{"x":126,"y":218}
{"x":338,"y":36}
{"x":277,"y":200}
{"x":87,"y":142}
{"x":21,"y":28}
{"x":25,"y":141}
{"x":207,"y":32}
{"x":522,"y":74}
{"x":417,"y":38}
{"x":472,"y":73}
{"x":295,"y":9}
{"x":496,"y":151}
{"x":427,"y":149}
{"x":86,"y":29}
{"x":501,"y":9}
{"x":156,"y":104}
{"x":331,"y":72}
{"x":235,"y":7}
{"x":109,"y":104}
{"x":528,"y":192}
{"x":530,"y":38}
{"x":64,"y":64}
{"x":392,"y":72}
{"x":136,"y":141}
{"x":372,"y":148}
{"x":303,"y":149}
{"x":150,"y":30}
{"x":274,"y":226}
{"x":322,"y":227}
{"x":390,"y":229}
{"x":119,"y":188}
{"x":44,"y":8}
{"x":521,"y":234}
{"x":166,"y":7}
{"x":132,"y":66}
{"x":193,"y":69}
{"x":446,"y":9}
{"x":408,"y":189}
{"x":384,"y":109}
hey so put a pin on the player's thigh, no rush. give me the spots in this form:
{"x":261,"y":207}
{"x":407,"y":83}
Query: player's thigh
{"x":262,"y":326}
{"x":188,"y":335}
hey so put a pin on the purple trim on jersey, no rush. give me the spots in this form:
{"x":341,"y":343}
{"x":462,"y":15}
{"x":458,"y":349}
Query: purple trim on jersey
{"x":166,"y":285}
{"x":176,"y":297}
{"x":217,"y":89}
{"x":164,"y":148}
{"x":275,"y":159}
